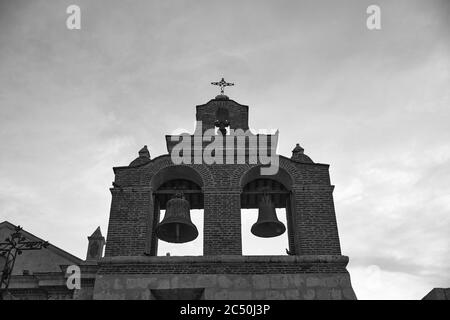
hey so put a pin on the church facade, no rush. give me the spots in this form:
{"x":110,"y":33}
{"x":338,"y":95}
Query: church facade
{"x":313,"y":267}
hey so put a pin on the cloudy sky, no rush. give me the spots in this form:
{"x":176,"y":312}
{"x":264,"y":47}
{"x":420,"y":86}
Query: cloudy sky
{"x":373,"y":104}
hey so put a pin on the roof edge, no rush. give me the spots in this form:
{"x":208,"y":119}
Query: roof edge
{"x":50,"y":247}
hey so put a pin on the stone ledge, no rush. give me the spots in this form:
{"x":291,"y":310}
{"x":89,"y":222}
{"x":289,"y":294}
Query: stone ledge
{"x":304,"y":259}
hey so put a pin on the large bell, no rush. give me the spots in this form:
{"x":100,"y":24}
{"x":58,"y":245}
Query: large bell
{"x":177,"y":227}
{"x":268,"y":225}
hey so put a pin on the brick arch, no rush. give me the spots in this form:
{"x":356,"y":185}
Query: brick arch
{"x":285,"y":164}
{"x":253,"y":173}
{"x":287,"y":176}
{"x":153,"y":171}
{"x":175,"y":172}
{"x":292,"y":169}
{"x":238,"y":173}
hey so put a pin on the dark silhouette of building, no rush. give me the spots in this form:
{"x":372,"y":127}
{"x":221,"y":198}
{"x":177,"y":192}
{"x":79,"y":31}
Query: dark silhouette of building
{"x":438,"y":294}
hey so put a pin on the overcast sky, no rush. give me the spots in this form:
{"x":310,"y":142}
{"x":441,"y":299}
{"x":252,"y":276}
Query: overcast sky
{"x":372,"y":104}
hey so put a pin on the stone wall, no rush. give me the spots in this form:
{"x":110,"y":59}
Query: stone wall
{"x":323,"y":286}
{"x":226,"y":277}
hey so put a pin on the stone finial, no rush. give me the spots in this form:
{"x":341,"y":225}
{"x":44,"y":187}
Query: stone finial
{"x":95,"y":246}
{"x":297,"y":150}
{"x":298,"y":155}
{"x":144,"y":157}
{"x":144,"y":152}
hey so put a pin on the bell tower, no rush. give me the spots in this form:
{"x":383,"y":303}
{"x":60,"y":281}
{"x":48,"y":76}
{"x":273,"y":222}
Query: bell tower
{"x":95,"y":246}
{"x":219,"y":168}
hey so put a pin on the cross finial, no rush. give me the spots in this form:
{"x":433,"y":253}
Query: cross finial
{"x":222,"y":84}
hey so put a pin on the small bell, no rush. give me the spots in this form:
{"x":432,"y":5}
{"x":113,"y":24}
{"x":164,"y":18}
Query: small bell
{"x":268,"y":225}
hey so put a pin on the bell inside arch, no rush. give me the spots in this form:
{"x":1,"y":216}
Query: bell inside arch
{"x":268,"y":225}
{"x":177,"y":227}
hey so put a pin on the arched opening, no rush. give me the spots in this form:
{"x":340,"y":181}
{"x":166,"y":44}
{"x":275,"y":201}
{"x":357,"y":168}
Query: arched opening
{"x":253,"y":245}
{"x":255,"y":173}
{"x":167,"y":183}
{"x":256,"y":188}
{"x":176,"y":172}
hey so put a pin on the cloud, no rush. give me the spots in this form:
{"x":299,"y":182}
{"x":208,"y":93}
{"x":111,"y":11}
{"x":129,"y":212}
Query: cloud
{"x":374,"y":105}
{"x":374,"y":283}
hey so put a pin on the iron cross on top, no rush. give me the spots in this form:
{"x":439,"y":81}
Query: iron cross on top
{"x":222,"y":84}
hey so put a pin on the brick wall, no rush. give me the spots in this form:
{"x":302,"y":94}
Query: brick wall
{"x":315,"y":220}
{"x":224,"y":264}
{"x":314,"y":228}
{"x":129,"y":221}
{"x":238,"y":114}
{"x":222,"y":223}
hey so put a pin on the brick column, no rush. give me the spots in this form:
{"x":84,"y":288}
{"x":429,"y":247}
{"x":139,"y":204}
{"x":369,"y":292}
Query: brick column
{"x":291,"y":225}
{"x":131,"y":218}
{"x":222,"y":223}
{"x":316,"y":228}
{"x":152,"y":241}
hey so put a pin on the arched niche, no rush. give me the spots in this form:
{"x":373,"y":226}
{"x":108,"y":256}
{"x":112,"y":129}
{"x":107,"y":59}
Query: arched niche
{"x":167,"y":182}
{"x":175,"y":172}
{"x":254,"y":185}
{"x":282,"y":177}
{"x":170,"y":180}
